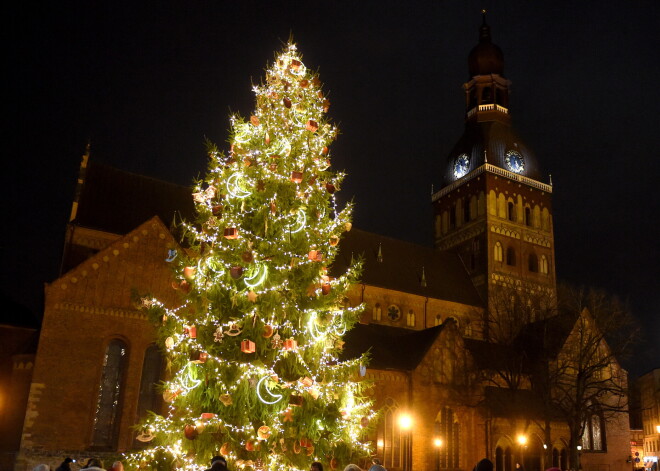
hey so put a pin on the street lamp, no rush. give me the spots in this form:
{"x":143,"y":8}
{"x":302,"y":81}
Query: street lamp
{"x":406,"y":423}
{"x":579,"y":450}
{"x":437,"y":441}
{"x":522,"y":441}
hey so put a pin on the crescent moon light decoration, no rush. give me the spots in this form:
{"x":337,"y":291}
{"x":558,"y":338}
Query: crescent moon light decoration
{"x":299,"y":224}
{"x":283,"y":147}
{"x":270,"y":397}
{"x":340,"y":329}
{"x":242,"y":134}
{"x":314,"y":330}
{"x":189,"y":383}
{"x":256,"y":275}
{"x":236,"y":185}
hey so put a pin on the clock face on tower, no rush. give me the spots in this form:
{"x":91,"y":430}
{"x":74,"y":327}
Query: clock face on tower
{"x":461,"y":165}
{"x":514,"y":161}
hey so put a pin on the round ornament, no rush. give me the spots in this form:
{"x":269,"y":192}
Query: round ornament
{"x":169,"y":343}
{"x":189,"y":273}
{"x":225,"y":449}
{"x":268,"y":331}
{"x":334,"y":240}
{"x":263,"y":432}
{"x":190,"y":432}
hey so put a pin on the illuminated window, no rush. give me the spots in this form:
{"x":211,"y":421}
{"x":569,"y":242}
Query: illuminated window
{"x":389,"y":439}
{"x":593,"y":437}
{"x":108,"y":403}
{"x":544,"y":265}
{"x":410,"y":318}
{"x":497,"y":252}
{"x":376,"y":312}
{"x":447,"y":428}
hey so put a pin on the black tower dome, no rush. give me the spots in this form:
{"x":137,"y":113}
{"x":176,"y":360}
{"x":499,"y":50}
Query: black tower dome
{"x":485,"y":58}
{"x":488,"y":137}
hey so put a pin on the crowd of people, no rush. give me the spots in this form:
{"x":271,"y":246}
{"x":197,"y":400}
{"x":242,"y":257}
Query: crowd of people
{"x":218,"y":463}
{"x":93,"y":464}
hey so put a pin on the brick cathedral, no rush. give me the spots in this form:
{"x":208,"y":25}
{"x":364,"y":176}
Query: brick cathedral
{"x":431,"y":320}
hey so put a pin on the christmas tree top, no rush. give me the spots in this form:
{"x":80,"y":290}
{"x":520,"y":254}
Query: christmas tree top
{"x":253,"y":348}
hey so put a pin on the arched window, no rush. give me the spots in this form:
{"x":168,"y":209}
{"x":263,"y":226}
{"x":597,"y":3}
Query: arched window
{"x":149,"y":399}
{"x":108,"y":403}
{"x":448,"y":430}
{"x":593,"y":437}
{"x":510,"y":211}
{"x":528,"y":216}
{"x":376,"y":312}
{"x":533,"y":263}
{"x":388,"y":437}
{"x":544,"y":265}
{"x":486,"y":96}
{"x":497,"y":252}
{"x":503,"y":459}
{"x":555,"y":457}
{"x":410,"y":318}
{"x":510,"y":256}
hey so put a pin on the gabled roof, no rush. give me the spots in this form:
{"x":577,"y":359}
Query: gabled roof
{"x":398,"y":265}
{"x":116,"y":201}
{"x":545,"y":337}
{"x":489,"y":355}
{"x":390,"y":348}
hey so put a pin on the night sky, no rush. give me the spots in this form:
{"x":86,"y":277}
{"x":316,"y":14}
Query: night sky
{"x":146,"y":85}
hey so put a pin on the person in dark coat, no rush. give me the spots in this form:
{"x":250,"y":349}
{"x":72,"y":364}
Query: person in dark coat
{"x":66,"y":465}
{"x":484,"y":465}
{"x":376,"y":465}
{"x":218,"y":463}
{"x":316,"y":466}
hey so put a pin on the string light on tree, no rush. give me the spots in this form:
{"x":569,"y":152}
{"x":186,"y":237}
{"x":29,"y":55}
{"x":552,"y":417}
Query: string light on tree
{"x":253,"y":347}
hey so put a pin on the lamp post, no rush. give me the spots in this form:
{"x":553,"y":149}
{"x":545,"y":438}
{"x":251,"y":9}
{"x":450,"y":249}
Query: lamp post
{"x":406,"y":423}
{"x":437,"y":441}
{"x":522,"y":441}
{"x":579,"y":450}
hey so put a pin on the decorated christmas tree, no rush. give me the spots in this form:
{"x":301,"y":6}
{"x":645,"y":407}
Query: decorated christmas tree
{"x":252,"y":350}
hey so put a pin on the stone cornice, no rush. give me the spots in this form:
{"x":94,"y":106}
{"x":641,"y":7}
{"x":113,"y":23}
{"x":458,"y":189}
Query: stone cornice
{"x":101,"y":311}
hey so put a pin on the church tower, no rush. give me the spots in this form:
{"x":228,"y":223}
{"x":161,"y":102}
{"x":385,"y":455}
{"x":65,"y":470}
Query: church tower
{"x":492,"y":207}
